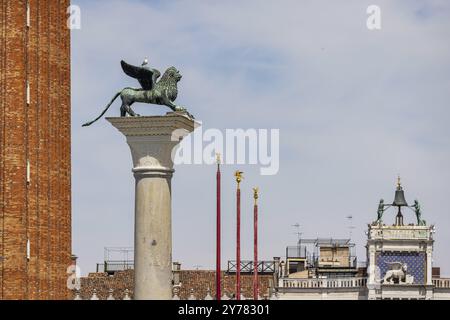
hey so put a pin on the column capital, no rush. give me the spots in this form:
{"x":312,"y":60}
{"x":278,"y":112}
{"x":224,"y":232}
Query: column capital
{"x":152,"y":140}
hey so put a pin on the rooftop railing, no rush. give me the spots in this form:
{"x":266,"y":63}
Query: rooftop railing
{"x":247,"y":266}
{"x":323,"y":283}
{"x":441,"y":283}
{"x":114,"y":266}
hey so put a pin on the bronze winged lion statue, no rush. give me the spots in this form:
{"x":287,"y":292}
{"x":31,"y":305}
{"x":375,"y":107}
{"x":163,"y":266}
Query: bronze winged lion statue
{"x":162,"y":92}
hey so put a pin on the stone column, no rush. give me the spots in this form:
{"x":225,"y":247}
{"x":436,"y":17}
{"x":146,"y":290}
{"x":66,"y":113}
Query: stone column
{"x":372,"y":284}
{"x":151,"y":140}
{"x":429,"y":275}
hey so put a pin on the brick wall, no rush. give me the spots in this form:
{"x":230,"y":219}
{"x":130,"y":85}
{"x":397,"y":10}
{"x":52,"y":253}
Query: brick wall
{"x":35,"y":135}
{"x":198,"y":280}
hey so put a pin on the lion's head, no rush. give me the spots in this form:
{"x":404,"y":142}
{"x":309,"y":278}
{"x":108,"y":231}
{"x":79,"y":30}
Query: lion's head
{"x":169,"y":82}
{"x":170,"y":75}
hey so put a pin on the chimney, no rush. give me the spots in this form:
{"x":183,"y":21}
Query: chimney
{"x":176,"y":270}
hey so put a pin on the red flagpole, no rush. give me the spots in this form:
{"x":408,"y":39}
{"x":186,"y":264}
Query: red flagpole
{"x":255,"y":245}
{"x":218,"y":264}
{"x":238,"y":175}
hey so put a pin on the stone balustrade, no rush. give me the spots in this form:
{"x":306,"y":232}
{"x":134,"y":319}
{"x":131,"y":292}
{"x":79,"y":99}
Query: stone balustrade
{"x":323,"y":283}
{"x":441,"y":283}
{"x":343,"y":283}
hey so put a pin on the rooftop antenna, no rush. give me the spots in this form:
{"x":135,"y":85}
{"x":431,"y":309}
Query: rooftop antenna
{"x":299,"y":238}
{"x":298,"y":233}
{"x":350,"y":227}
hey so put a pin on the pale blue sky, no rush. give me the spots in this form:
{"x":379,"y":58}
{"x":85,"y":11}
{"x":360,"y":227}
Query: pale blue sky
{"x":354,"y":108}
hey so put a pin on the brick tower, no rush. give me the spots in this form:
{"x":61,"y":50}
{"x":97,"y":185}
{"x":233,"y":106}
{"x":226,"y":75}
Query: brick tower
{"x":35,"y":201}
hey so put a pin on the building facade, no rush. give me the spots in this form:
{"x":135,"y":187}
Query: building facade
{"x":35,"y":181}
{"x":399,"y":264}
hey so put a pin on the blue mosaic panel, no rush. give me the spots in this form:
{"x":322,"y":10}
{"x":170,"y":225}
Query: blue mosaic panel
{"x":414,"y":260}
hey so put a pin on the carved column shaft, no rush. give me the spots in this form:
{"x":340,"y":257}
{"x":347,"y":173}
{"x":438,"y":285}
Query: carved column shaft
{"x":151,"y":141}
{"x":429,"y":275}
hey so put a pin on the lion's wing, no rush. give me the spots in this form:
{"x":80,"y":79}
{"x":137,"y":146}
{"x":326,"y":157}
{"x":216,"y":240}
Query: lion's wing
{"x":143,"y":75}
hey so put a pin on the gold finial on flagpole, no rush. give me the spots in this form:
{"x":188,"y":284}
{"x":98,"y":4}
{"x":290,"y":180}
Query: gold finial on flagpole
{"x":255,"y":194}
{"x":218,"y":158}
{"x":239,"y":177}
